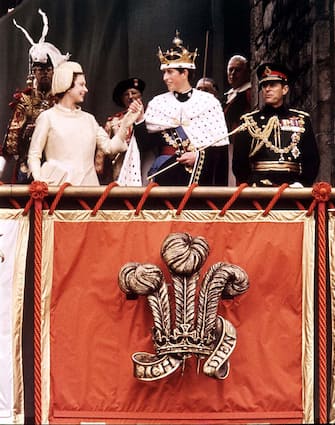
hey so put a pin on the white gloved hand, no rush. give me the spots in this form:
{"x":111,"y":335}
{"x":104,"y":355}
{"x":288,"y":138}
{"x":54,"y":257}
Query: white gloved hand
{"x":119,"y":140}
{"x":126,"y":122}
{"x":296,"y":185}
{"x":119,"y":144}
{"x":2,"y":165}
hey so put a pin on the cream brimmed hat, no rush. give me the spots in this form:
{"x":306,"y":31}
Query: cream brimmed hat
{"x":63,"y":76}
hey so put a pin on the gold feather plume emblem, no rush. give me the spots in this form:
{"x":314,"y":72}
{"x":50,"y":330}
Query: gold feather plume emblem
{"x":205,"y":334}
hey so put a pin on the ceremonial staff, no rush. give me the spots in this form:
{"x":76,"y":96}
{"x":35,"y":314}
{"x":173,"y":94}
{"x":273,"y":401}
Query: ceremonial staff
{"x":242,"y":127}
{"x":205,"y":57}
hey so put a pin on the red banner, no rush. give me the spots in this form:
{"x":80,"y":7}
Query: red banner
{"x":94,"y":329}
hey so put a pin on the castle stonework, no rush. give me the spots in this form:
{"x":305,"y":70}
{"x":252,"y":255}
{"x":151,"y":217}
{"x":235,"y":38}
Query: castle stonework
{"x":302,"y":38}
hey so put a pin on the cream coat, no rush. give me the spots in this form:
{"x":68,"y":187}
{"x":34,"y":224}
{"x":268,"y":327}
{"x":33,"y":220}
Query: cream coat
{"x":69,"y":139}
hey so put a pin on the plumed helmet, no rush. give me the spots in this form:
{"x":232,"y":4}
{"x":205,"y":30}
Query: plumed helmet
{"x":43,"y":52}
{"x":63,"y":76}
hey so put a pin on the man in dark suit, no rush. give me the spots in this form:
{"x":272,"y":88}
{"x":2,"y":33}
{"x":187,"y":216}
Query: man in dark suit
{"x":237,"y":100}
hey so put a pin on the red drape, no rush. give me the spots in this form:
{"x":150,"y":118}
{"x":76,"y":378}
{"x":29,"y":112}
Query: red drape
{"x":94,"y":330}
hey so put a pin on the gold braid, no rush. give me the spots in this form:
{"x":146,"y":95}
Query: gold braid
{"x":260,"y":138}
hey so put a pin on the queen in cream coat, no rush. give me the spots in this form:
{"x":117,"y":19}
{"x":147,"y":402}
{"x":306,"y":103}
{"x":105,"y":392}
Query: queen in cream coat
{"x":67,"y":137}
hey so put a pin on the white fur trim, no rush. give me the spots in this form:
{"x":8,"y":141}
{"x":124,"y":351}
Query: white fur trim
{"x":201,"y":117}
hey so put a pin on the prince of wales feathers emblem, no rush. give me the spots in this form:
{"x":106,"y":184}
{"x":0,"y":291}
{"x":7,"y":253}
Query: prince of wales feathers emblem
{"x":205,"y":335}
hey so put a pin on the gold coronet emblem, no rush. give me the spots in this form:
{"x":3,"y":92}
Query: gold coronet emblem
{"x":205,"y":334}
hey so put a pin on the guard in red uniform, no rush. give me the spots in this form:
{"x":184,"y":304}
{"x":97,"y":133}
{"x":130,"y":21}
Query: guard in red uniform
{"x":28,"y":103}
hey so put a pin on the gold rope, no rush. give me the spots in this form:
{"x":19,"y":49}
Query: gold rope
{"x":261,"y":137}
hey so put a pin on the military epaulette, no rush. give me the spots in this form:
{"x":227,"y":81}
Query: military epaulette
{"x":299,"y":112}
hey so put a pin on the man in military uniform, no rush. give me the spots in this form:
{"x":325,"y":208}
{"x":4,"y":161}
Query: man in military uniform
{"x":276,"y":144}
{"x":29,"y":103}
{"x":185,"y":125}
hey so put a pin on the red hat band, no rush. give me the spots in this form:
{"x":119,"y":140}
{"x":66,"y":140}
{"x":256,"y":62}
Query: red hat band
{"x":268,"y":73}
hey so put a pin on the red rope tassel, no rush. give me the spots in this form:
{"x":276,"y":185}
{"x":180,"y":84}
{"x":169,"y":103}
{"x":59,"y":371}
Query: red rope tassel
{"x":103,"y":197}
{"x":233,"y":198}
{"x":38,"y":191}
{"x":144,"y":197}
{"x":321,"y":192}
{"x":186,"y":197}
{"x":274,"y":200}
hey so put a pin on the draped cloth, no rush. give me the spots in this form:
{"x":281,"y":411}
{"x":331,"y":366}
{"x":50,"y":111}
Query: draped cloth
{"x":90,"y":330}
{"x":14,"y":229}
{"x":332,"y":301}
{"x":130,"y":173}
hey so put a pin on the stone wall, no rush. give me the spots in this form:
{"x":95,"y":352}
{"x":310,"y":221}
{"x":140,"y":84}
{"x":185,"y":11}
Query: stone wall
{"x":300,"y":34}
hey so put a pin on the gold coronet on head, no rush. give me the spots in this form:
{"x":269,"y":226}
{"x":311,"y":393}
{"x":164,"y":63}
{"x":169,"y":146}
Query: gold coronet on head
{"x":177,"y":56}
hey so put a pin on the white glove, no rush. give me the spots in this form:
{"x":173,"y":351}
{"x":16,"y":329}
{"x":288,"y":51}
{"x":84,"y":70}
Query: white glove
{"x":118,"y":144}
{"x":34,"y":164}
{"x":296,"y":185}
{"x":126,"y":122}
{"x":2,"y":165}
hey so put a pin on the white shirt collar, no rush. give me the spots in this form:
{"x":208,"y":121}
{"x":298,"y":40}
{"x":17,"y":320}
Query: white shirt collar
{"x":231,"y":94}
